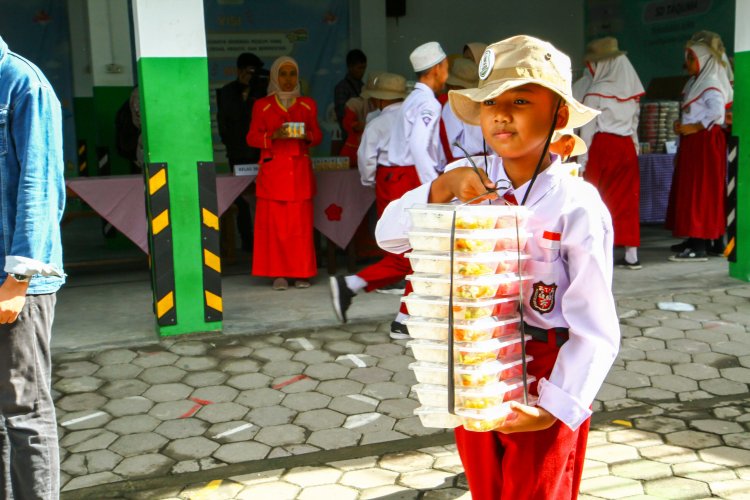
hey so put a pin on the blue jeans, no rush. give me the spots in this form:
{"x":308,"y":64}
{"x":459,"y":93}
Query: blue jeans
{"x":30,"y":463}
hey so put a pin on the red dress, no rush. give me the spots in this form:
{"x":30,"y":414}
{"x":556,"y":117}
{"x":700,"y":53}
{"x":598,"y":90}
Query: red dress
{"x":285,"y":186}
{"x":353,"y":138}
{"x":697,"y":198}
{"x":613,"y":168}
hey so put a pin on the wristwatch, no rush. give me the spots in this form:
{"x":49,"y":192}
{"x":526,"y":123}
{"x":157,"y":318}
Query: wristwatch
{"x":21,"y":278}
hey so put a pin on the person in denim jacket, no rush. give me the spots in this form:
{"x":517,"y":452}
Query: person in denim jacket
{"x":32,"y":199}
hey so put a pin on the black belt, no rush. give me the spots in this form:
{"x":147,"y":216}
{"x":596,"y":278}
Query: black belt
{"x":557,"y":336}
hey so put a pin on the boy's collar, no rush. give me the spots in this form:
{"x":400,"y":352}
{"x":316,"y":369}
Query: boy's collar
{"x":546,"y":180}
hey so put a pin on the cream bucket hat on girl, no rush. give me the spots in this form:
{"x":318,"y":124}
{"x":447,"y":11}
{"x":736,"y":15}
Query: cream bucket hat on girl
{"x":578,"y":149}
{"x":518,"y":61}
{"x":389,"y":86}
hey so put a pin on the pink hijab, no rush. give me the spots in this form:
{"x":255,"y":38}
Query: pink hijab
{"x":273,"y":82}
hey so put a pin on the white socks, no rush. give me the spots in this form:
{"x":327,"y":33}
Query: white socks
{"x":355,"y":283}
{"x":631,"y":255}
{"x":401,"y":317}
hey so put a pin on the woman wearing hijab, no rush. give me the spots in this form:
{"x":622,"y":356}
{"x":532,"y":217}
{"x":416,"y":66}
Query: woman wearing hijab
{"x":285,"y":186}
{"x":612,"y":161}
{"x":473,"y":51}
{"x":696,"y":203}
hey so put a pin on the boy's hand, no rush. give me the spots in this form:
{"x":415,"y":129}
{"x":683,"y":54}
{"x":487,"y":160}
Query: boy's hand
{"x":462,"y":183}
{"x":526,"y":419}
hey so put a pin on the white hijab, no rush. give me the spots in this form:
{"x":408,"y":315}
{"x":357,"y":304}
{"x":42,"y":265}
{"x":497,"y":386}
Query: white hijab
{"x":273,"y":80}
{"x":711,"y":75}
{"x":615,"y":79}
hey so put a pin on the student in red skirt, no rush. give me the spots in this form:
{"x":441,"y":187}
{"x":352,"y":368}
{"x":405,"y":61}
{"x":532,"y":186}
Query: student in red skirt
{"x":612,"y":161}
{"x":285,"y":186}
{"x":696,"y":202}
{"x":524,"y":93}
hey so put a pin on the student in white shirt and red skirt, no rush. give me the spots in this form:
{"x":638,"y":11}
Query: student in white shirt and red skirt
{"x":697,"y":200}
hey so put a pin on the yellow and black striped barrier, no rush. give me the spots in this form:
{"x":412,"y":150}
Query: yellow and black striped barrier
{"x":212,"y":301}
{"x":82,"y":158}
{"x":160,"y":243}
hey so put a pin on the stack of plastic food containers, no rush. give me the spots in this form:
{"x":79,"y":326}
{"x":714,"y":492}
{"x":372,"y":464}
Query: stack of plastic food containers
{"x":655,"y":126}
{"x":487,"y":268}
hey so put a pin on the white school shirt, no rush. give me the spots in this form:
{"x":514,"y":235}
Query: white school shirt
{"x":373,"y":147}
{"x":708,"y":109}
{"x":468,"y":136}
{"x":415,"y":138}
{"x":617,"y":117}
{"x":579,"y":265}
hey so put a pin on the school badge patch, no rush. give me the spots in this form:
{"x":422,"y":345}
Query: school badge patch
{"x":543,"y":297}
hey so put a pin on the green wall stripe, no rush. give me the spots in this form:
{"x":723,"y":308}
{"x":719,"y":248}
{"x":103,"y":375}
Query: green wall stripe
{"x":741,"y":128}
{"x":177,"y":130}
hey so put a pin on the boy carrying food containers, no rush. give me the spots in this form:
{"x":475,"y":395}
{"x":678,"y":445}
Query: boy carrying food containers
{"x":524,"y":94}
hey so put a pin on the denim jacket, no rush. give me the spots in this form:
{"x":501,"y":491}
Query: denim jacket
{"x":32,"y":183}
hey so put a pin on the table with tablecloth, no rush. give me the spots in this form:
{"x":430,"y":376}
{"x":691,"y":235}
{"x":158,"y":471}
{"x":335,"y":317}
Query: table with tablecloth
{"x":656,"y":181}
{"x":339,"y":206}
{"x":121,"y":200}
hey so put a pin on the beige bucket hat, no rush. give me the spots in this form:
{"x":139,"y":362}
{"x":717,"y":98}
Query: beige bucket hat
{"x":578,"y":149}
{"x":388,"y":86}
{"x":518,"y":61}
{"x":371,"y":78}
{"x":463,"y":74}
{"x":602,"y":49}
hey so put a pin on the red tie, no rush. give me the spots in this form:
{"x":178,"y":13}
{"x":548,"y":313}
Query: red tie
{"x":510,"y":198}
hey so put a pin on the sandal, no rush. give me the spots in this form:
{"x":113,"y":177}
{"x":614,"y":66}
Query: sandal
{"x":280,"y":284}
{"x":302,"y":284}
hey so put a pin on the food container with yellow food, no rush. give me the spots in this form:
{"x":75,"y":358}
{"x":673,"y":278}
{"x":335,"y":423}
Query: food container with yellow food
{"x":465,"y":353}
{"x":479,"y":398}
{"x":479,"y":216}
{"x":467,"y":264}
{"x":490,"y":418}
{"x":468,"y":240}
{"x":437,"y":417}
{"x":479,"y":330}
{"x":463,"y":330}
{"x":437,"y":307}
{"x":483,"y":420}
{"x":489,"y":373}
{"x":464,"y":287}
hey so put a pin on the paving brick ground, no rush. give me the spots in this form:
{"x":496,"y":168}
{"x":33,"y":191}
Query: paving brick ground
{"x":318,"y":414}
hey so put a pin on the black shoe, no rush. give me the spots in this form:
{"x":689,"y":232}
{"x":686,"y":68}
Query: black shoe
{"x":689,"y":255}
{"x":399,"y":331}
{"x":679,"y":247}
{"x":634,"y":266}
{"x":341,"y":296}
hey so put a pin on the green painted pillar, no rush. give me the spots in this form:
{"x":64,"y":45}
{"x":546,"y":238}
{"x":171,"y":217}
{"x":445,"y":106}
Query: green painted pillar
{"x":740,"y":268}
{"x":173,"y":78}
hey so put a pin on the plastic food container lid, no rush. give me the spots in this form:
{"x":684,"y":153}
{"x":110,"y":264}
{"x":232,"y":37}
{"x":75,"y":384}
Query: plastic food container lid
{"x":443,"y":301}
{"x":482,"y":346}
{"x":487,"y":279}
{"x":468,"y":257}
{"x":478,"y":209}
{"x":487,"y":323}
{"x":475,"y":234}
{"x":495,"y":389}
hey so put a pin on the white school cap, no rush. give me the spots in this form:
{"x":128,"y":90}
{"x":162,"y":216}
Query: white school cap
{"x":426,"y":56}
